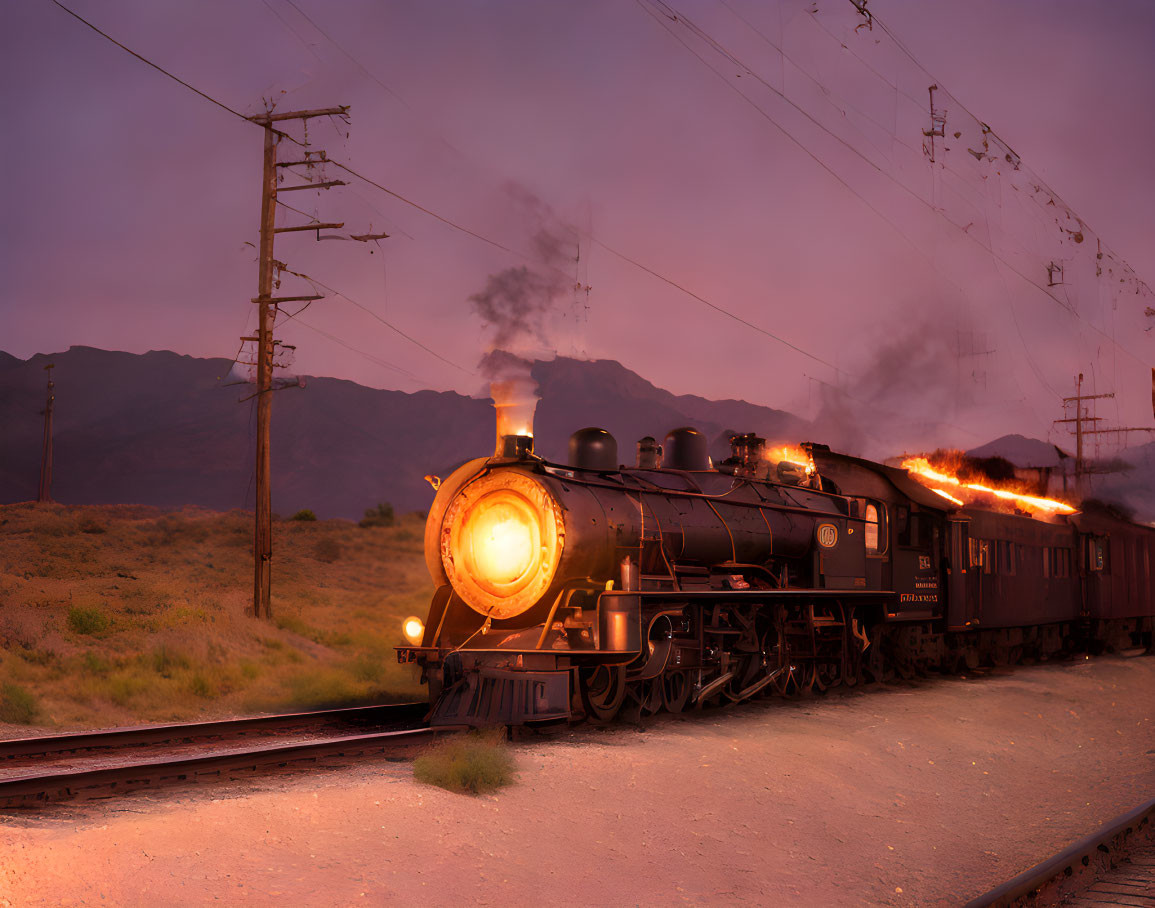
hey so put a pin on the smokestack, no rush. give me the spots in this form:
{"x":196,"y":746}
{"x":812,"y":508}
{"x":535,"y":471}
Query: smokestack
{"x":514,"y":400}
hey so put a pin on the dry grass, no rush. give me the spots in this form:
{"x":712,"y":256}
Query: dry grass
{"x":474,"y":763}
{"x":120,"y":614}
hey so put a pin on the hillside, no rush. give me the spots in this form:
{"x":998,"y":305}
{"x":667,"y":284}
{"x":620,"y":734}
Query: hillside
{"x":125,"y":614}
{"x":166,"y":430}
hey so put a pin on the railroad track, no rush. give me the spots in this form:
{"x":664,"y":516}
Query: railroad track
{"x":1114,"y":866}
{"x":34,"y":771}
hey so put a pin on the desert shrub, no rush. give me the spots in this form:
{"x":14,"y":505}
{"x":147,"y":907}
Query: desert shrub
{"x":180,"y":615}
{"x":36,"y":656}
{"x":201,"y":686}
{"x":91,"y":525}
{"x":249,"y":669}
{"x":95,"y":664}
{"x":166,"y":661}
{"x":172,"y":530}
{"x":297,"y":625}
{"x":17,"y":706}
{"x":369,"y":667}
{"x":476,"y":763}
{"x":57,"y":526}
{"x":380,"y":516}
{"x":289,"y":622}
{"x":125,"y":687}
{"x":84,"y":619}
{"x":320,"y":688}
{"x":239,"y":536}
{"x":327,"y":550}
{"x":304,"y":515}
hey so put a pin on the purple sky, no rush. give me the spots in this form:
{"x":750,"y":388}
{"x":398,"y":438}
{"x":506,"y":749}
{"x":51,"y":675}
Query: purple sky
{"x":129,"y":201}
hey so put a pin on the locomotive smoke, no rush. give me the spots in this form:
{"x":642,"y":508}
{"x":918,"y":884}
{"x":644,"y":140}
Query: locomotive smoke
{"x":515,"y":306}
{"x":901,"y":395}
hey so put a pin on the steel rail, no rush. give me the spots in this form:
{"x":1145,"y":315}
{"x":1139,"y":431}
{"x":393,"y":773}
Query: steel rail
{"x":1068,"y":861}
{"x":131,"y":736}
{"x":39,"y":788}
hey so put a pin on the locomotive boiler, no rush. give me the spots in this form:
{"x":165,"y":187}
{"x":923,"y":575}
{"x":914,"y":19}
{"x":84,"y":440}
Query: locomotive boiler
{"x":585,"y":587}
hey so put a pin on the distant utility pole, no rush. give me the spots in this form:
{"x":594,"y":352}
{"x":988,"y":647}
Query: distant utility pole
{"x":263,"y":537}
{"x":1080,"y":418}
{"x":45,"y":492}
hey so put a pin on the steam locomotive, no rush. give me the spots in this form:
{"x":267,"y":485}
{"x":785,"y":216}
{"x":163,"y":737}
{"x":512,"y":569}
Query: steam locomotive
{"x":580,"y":590}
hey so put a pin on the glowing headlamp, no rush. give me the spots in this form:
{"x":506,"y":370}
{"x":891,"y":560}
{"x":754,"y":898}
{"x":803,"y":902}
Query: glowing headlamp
{"x":501,"y":540}
{"x":414,"y":630}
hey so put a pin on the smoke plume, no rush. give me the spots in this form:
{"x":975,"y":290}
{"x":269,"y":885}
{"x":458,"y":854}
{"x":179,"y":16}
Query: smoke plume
{"x":516,"y":307}
{"x":907,"y":391}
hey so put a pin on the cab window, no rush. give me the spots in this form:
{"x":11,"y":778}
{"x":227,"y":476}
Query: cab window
{"x":871,"y":515}
{"x":874,"y":528}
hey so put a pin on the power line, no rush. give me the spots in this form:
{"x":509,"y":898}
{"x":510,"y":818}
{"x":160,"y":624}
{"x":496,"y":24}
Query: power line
{"x":369,"y":356}
{"x":305,"y":214}
{"x":496,"y":244}
{"x":605,"y":246}
{"x":348,"y":55}
{"x":241,"y":116}
{"x":714,"y":306}
{"x":388,"y":324}
{"x":1054,"y":195}
{"x":447,"y":221}
{"x":644,"y":268}
{"x":674,"y":16}
{"x":148,"y":62}
{"x":305,"y":44}
{"x":444,"y":220}
{"x":177,"y":79}
{"x":368,"y":73}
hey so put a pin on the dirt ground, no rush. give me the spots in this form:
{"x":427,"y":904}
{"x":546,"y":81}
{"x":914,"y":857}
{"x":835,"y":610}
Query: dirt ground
{"x":921,"y":794}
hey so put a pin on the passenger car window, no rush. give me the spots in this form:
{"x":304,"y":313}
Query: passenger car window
{"x":1097,"y":555}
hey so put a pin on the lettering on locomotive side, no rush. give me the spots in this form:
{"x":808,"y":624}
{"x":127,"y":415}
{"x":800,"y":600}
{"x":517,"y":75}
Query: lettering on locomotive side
{"x":918,"y":597}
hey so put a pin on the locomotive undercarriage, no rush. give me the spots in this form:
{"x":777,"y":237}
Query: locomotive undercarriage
{"x":715,"y":649}
{"x":714,"y":653}
{"x":732,"y":652}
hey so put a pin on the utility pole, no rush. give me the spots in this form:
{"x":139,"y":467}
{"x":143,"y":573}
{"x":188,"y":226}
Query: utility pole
{"x":263,"y":535}
{"x":1081,"y":418}
{"x":45,"y":491}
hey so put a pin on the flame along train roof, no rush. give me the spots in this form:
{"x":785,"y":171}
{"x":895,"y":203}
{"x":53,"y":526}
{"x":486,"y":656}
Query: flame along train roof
{"x":899,"y":478}
{"x":925,"y":496}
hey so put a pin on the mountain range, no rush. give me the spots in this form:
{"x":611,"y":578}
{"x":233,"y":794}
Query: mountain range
{"x":167,"y":429}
